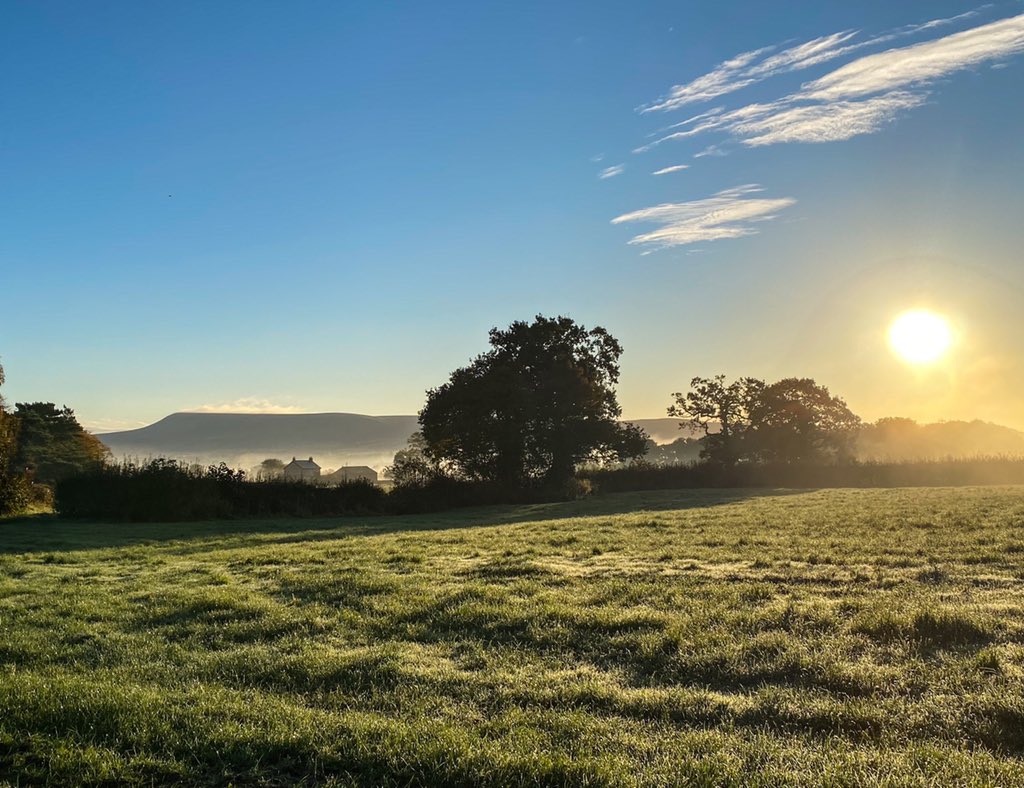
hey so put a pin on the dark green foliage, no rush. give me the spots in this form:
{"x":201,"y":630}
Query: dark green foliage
{"x":52,"y":444}
{"x":15,"y":493}
{"x":528,"y":411}
{"x":166,"y":490}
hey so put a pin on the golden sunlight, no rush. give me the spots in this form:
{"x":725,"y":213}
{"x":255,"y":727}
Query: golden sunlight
{"x":920,"y":336}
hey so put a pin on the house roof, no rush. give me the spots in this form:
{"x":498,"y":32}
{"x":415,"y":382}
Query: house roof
{"x":353,"y":468}
{"x":307,"y":465}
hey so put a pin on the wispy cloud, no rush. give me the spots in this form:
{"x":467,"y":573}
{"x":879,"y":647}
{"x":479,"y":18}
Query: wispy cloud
{"x":673,"y":168}
{"x":611,"y":172}
{"x":710,"y":150}
{"x":863,"y":95}
{"x":838,"y":120}
{"x":247,"y":405}
{"x":920,"y":64}
{"x":757,"y":65}
{"x":731,"y":213}
{"x":726,"y":77}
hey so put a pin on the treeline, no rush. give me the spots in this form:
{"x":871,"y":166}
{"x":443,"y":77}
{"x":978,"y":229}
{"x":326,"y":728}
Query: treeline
{"x":536,"y":418}
{"x":870,"y":473}
{"x":167,"y":490}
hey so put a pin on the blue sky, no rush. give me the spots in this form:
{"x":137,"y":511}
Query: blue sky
{"x":323,"y":206}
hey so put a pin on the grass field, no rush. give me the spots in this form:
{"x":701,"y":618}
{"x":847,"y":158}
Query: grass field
{"x":670,"y":638}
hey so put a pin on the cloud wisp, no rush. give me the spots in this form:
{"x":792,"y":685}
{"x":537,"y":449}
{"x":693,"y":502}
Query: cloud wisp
{"x":920,"y":64}
{"x":861,"y":96}
{"x":731,"y":213}
{"x":673,"y":168}
{"x":757,"y":65}
{"x":611,"y":172}
{"x":246,"y":405}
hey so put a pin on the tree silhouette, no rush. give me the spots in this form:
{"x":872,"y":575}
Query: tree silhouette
{"x":792,"y":420}
{"x":411,"y":466}
{"x":797,"y":420}
{"x":721,"y":411}
{"x":270,"y":468}
{"x":532,"y":408}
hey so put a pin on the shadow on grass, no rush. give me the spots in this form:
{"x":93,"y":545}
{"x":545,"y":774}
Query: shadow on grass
{"x":49,"y":533}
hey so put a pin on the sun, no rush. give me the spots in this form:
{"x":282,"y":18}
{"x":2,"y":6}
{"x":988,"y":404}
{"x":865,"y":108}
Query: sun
{"x":920,"y":336}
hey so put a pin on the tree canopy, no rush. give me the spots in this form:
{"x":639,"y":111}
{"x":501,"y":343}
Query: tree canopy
{"x":720,"y":410}
{"x":798,"y":420}
{"x":794,"y":420}
{"x":532,"y":408}
{"x":52,"y":444}
{"x":270,"y":468}
{"x":411,"y":466}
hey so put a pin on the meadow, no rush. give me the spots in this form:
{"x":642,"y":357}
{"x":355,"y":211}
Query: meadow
{"x":689,"y":637}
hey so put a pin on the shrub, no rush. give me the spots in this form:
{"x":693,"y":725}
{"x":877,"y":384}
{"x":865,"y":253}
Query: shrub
{"x":15,"y":493}
{"x":167,"y":490}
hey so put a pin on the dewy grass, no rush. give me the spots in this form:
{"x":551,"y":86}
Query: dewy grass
{"x":663,"y":638}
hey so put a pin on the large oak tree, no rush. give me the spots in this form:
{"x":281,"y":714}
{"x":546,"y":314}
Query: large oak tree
{"x":533,"y":407}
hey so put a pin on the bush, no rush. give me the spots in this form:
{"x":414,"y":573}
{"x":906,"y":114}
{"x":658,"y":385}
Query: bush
{"x":15,"y":494}
{"x":167,"y":490}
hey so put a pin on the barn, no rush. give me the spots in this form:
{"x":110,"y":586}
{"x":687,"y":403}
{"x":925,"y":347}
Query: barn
{"x":351,"y":473}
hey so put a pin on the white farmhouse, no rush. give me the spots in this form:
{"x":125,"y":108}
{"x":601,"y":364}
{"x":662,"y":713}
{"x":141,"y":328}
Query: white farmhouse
{"x":301,"y":470}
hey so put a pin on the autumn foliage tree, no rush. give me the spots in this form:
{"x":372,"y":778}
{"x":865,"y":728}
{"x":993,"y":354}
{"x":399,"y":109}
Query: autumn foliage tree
{"x":533,"y":407}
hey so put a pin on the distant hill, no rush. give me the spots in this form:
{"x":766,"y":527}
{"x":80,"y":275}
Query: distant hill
{"x":904,"y":439}
{"x":333,"y":439}
{"x":244,"y":439}
{"x":336,"y":439}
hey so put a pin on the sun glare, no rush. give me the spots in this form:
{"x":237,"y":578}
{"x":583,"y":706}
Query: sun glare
{"x":920,"y":336}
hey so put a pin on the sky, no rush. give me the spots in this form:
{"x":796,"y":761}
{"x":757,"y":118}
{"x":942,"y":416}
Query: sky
{"x":322,"y":206}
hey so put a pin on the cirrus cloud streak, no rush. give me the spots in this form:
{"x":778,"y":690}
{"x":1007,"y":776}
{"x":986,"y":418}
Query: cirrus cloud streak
{"x":859,"y":97}
{"x":731,"y":213}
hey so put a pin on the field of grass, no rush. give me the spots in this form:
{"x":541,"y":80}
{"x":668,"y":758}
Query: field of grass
{"x":838,"y":637}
